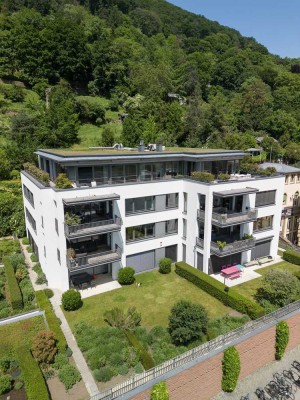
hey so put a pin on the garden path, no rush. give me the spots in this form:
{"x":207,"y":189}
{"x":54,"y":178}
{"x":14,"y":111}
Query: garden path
{"x":32,"y":274}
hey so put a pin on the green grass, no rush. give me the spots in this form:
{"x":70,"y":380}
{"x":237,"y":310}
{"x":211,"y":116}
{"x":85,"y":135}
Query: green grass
{"x":248,"y":289}
{"x":153,"y":299}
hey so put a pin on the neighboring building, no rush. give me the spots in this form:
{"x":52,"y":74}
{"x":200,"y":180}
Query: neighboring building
{"x":133,"y":208}
{"x":291,"y":201}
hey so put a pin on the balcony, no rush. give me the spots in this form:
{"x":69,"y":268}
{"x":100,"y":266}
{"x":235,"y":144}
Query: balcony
{"x":223,"y":218}
{"x":232,"y":248}
{"x":93,"y":228}
{"x":82,"y":262}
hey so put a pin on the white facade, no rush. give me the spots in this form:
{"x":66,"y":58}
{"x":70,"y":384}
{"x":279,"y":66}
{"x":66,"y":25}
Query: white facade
{"x":48,"y":205}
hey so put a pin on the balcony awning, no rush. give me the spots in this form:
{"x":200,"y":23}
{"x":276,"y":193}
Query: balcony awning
{"x":236,"y":192}
{"x":90,"y":199}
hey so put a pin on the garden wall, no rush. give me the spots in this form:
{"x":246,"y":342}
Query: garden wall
{"x":203,"y":380}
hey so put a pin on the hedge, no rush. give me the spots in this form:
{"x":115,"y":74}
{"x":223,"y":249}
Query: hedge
{"x":15,"y":295}
{"x":146,"y":359}
{"x":37,"y":173}
{"x":291,"y":256}
{"x":231,"y":367}
{"x":216,"y":289}
{"x":282,"y":339}
{"x":159,"y":391}
{"x":35,"y":385}
{"x":53,"y":322}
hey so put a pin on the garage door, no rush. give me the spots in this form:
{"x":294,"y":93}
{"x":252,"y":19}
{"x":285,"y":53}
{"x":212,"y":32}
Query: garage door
{"x":261,"y":250}
{"x":141,"y":261}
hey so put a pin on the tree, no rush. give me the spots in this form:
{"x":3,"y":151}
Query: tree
{"x":148,"y":21}
{"x":107,"y":137}
{"x":44,"y":347}
{"x":280,"y":122}
{"x":187,"y":322}
{"x":279,"y":288}
{"x":272,"y":148}
{"x":132,"y":130}
{"x":292,"y":152}
{"x":120,"y":319}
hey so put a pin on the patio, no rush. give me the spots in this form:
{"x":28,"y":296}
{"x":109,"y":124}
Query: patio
{"x":103,"y":284}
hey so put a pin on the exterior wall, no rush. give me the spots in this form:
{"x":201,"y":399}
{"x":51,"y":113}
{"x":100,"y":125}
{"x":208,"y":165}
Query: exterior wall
{"x":289,"y":222}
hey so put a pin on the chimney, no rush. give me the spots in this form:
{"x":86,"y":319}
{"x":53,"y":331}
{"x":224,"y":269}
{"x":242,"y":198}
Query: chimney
{"x":141,"y":146}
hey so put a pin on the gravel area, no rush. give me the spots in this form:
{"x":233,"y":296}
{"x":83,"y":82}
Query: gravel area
{"x":261,"y":378}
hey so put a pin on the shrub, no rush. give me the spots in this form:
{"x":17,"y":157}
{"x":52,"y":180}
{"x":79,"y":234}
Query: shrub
{"x":126,"y":276}
{"x":34,"y":258}
{"x":123,"y":369}
{"x":5,"y":364}
{"x":165,"y":265}
{"x":231,"y":367}
{"x":138,"y":369}
{"x":203,"y":176}
{"x":216,"y":289}
{"x":18,"y":385}
{"x":37,"y":173}
{"x":159,"y":392}
{"x":223,"y":325}
{"x":282,"y":339}
{"x":63,"y":182}
{"x":72,"y":219}
{"x":279,"y":288}
{"x":71,"y":300}
{"x":29,"y":249}
{"x":224,"y":177}
{"x":187,"y":322}
{"x":69,"y":375}
{"x":49,"y":293}
{"x":44,"y":347}
{"x":21,"y":273}
{"x":291,"y":256}
{"x":35,"y":385}
{"x":5,"y":384}
{"x":69,"y":352}
{"x":25,"y":240}
{"x":15,"y":296}
{"x":44,"y":304}
{"x":146,"y":359}
{"x":103,"y":374}
{"x":117,"y":318}
{"x":60,"y":360}
{"x":17,"y":261}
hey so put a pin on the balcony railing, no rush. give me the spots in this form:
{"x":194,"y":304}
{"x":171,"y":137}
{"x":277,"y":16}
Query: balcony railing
{"x":91,"y":228}
{"x":220,"y":218}
{"x":200,"y":243}
{"x":232,"y":248}
{"x":93,"y":260}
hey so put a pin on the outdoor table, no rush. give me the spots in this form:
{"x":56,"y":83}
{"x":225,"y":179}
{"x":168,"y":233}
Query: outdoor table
{"x":230,"y":271}
{"x":81,"y":278}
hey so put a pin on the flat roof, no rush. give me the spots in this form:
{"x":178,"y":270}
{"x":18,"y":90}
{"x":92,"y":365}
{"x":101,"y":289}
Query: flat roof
{"x":91,"y":199}
{"x":235,"y":192}
{"x":281,"y":168}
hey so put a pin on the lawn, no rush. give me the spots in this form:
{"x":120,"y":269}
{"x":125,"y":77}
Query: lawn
{"x":248,"y":289}
{"x":153,"y":299}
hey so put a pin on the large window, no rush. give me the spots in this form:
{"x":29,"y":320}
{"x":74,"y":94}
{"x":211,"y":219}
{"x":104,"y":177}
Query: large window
{"x":185,"y":199}
{"x":263,"y":223}
{"x":265,"y":198}
{"x":30,"y":219}
{"x":28,"y":195}
{"x":184,"y":225}
{"x":172,"y":200}
{"x":140,"y":205}
{"x":171,"y":226}
{"x":140,"y":232}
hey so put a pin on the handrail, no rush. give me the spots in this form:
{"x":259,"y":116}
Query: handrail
{"x":85,"y":260}
{"x":69,"y":229}
{"x":190,"y":355}
{"x":229,"y":247}
{"x":227,"y":217}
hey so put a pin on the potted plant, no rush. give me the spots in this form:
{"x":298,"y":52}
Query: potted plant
{"x":71,"y":253}
{"x":221,"y":245}
{"x":72,"y":219}
{"x":247,"y":236}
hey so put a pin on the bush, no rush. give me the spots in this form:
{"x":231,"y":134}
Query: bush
{"x":21,"y":273}
{"x":53,"y":322}
{"x":18,"y":385}
{"x":123,"y":369}
{"x":38,"y":173}
{"x":231,"y":367}
{"x":8,"y":247}
{"x":25,"y":240}
{"x":71,"y":300}
{"x":159,"y":392}
{"x":69,"y":375}
{"x":35,"y":385}
{"x":15,"y":295}
{"x":29,"y":249}
{"x":282,"y":339}
{"x":27,"y":291}
{"x":224,"y":177}
{"x":63,"y":182}
{"x":187,"y":322}
{"x":60,"y":360}
{"x":34,"y":258}
{"x":203,"y":176}
{"x":17,"y":261}
{"x":216,"y":289}
{"x":226,"y":324}
{"x":103,"y":374}
{"x":44,"y":347}
{"x":5,"y":364}
{"x":165,"y":265}
{"x":291,"y":256}
{"x":138,"y":369}
{"x":69,"y":352}
{"x":146,"y":359}
{"x":49,"y":293}
{"x":279,"y":288}
{"x":41,"y":277}
{"x":5,"y":384}
{"x":126,"y":276}
{"x":117,"y":318}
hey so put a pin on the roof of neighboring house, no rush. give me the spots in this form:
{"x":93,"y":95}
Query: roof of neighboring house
{"x":281,"y":168}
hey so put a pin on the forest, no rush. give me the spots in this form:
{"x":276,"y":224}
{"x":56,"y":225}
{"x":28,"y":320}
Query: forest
{"x":69,"y":68}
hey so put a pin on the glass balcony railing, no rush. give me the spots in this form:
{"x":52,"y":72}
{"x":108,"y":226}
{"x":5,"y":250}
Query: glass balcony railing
{"x":81,"y":262}
{"x":95,"y":227}
{"x":223,"y":218}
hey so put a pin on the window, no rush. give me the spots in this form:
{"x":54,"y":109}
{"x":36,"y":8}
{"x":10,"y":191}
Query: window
{"x":184,"y":252}
{"x":140,"y":205}
{"x":185,"y":199}
{"x":184,"y":228}
{"x":284,"y":198}
{"x":292,"y":180}
{"x":44,"y":251}
{"x":265,"y":198}
{"x":171,"y":226}
{"x":30,"y":219}
{"x":172,"y":200}
{"x":28,"y":195}
{"x":56,"y":226}
{"x":140,"y":232}
{"x":286,"y":179}
{"x":58,"y":256}
{"x":263,"y":223}
{"x":42,"y":218}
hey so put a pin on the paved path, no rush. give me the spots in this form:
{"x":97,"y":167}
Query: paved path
{"x":32,"y":275}
{"x":262,"y":377}
{"x":80,"y":362}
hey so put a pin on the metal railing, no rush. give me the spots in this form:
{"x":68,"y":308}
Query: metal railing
{"x":102,"y":225}
{"x":231,"y":248}
{"x":92,"y":260}
{"x":200,"y":243}
{"x":226,"y":218}
{"x":220,"y":342}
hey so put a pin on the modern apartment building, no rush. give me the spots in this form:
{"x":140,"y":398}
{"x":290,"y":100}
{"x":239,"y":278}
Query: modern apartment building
{"x":290,"y":217}
{"x":131,"y":208}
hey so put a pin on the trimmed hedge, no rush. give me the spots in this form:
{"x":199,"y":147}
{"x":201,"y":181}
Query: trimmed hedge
{"x":159,"y":391}
{"x":203,"y":176}
{"x":37,"y":173}
{"x":282,"y":339}
{"x":216,"y":289}
{"x":146,"y":359}
{"x":291,"y":256}
{"x":15,"y":295}
{"x":231,"y":367}
{"x":35,"y":385}
{"x":53,"y":322}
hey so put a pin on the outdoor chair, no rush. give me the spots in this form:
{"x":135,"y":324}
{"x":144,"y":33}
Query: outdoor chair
{"x":228,"y":265}
{"x":223,"y":267}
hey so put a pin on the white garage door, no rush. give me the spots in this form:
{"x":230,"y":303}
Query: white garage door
{"x":141,"y":261}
